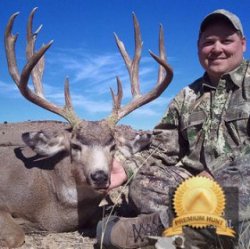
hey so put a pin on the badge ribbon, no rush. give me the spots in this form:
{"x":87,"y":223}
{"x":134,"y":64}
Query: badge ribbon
{"x":199,"y":202}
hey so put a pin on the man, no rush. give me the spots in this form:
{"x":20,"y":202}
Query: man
{"x":205,"y":131}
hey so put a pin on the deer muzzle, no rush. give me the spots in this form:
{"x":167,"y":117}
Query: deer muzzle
{"x":100,"y":179}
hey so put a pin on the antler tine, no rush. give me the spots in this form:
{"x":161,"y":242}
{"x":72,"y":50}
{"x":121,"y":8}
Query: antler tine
{"x":69,"y":112}
{"x":33,"y":59}
{"x":164,"y":68}
{"x":132,"y":65}
{"x":162,"y":55}
{"x":10,"y":41}
{"x":165,"y":75}
{"x":117,"y":98}
{"x":37,"y":72}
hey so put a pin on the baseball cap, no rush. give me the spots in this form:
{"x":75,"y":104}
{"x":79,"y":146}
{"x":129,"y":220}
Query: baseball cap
{"x":232,"y":18}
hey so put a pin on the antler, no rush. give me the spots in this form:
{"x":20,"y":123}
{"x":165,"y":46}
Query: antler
{"x":35,"y":68}
{"x":138,"y":100}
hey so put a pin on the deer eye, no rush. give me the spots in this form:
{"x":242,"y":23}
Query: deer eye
{"x":76,"y":147}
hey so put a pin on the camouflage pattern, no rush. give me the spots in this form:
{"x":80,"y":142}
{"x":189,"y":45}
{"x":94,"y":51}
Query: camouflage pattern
{"x":235,"y":176}
{"x":204,"y":128}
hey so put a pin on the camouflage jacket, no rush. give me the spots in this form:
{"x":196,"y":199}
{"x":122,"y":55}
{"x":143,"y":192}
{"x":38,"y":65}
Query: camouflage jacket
{"x":203,"y":126}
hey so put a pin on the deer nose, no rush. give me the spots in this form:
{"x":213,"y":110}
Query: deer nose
{"x":99,"y":177}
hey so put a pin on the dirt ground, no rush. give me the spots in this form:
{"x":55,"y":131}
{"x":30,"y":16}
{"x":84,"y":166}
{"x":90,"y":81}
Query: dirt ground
{"x":72,"y":240}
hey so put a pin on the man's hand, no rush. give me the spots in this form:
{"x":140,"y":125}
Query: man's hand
{"x":118,"y":175}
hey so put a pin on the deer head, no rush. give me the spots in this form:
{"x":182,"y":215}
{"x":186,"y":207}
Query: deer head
{"x":91,"y":144}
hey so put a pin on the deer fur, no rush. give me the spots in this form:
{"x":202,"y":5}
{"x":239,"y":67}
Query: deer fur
{"x":44,"y":191}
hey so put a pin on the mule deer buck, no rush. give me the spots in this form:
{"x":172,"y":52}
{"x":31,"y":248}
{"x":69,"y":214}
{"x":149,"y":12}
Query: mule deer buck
{"x":59,"y":187}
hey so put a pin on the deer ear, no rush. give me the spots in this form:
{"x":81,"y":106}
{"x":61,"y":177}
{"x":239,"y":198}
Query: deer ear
{"x":45,"y":143}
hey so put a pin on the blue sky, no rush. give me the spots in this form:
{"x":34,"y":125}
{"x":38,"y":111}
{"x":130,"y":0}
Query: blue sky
{"x":84,"y":50}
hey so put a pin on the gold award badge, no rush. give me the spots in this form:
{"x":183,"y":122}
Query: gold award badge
{"x":199,"y":202}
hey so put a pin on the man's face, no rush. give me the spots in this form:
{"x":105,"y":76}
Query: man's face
{"x":220,"y":49}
